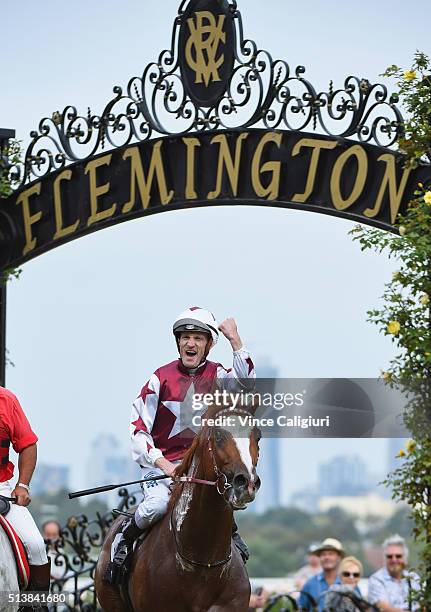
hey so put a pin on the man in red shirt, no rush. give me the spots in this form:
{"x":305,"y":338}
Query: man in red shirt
{"x":15,"y":430}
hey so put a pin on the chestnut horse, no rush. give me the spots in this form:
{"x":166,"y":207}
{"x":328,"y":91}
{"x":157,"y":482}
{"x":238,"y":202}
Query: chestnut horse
{"x":187,"y":562}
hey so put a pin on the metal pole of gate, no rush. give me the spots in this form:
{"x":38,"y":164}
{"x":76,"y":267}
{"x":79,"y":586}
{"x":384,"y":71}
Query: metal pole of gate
{"x":3,"y":334}
{"x":5,"y":136}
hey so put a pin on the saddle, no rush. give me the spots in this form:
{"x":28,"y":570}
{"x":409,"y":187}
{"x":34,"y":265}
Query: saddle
{"x":22,"y":566}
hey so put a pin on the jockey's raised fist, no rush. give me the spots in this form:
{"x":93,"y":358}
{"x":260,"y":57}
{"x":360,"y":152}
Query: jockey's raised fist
{"x":229,"y":329}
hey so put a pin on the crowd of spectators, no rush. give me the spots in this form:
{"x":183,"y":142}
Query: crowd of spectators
{"x":329,"y":582}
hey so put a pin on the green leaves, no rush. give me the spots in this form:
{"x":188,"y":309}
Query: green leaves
{"x":13,"y":157}
{"x":9,"y":274}
{"x":414,"y":87}
{"x":405,"y":315}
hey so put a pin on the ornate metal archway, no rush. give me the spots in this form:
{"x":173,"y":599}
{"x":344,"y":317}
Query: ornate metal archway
{"x":213,"y":121}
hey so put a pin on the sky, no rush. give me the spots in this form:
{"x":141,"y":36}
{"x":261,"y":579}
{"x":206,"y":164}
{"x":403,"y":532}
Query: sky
{"x":91,"y":320}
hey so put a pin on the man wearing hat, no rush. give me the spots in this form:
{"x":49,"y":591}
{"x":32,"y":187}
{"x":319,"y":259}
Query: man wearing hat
{"x":330,"y":553}
{"x":311,"y":569}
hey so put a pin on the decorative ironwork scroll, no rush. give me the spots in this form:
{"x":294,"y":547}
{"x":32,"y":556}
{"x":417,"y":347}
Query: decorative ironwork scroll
{"x":74,"y":556}
{"x":211,"y":78}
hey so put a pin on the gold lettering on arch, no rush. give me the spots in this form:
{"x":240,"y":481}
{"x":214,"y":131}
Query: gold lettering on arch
{"x":337,"y":199}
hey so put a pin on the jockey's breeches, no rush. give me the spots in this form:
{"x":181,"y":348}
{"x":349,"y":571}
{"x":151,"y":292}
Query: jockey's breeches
{"x":22,"y":521}
{"x":156,"y":496}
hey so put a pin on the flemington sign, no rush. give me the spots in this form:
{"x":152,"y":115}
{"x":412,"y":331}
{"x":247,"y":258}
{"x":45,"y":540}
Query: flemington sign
{"x":214,"y":121}
{"x":235,"y":167}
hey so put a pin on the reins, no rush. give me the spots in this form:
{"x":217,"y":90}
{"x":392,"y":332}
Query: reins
{"x":219,"y":474}
{"x":211,"y":483}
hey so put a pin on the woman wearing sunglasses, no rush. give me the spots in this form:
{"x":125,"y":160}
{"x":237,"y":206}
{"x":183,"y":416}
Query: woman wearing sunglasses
{"x":347,"y":597}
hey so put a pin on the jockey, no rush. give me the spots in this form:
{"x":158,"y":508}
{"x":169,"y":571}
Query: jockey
{"x":158,"y":439}
{"x":15,"y":430}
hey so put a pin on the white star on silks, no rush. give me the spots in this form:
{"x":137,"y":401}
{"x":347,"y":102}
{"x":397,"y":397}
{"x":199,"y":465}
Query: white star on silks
{"x":184,"y":411}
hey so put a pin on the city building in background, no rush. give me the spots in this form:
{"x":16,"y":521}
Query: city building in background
{"x":343,"y":475}
{"x":306,"y":499}
{"x":270,"y":475}
{"x":50,"y":478}
{"x":108,"y":464}
{"x":360,"y":506}
{"x":269,"y":466}
{"x":345,"y":482}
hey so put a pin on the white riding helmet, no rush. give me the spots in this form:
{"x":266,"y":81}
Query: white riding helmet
{"x":196,"y":319}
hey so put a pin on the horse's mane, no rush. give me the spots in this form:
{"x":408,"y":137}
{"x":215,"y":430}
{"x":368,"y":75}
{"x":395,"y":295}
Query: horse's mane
{"x":183,"y":469}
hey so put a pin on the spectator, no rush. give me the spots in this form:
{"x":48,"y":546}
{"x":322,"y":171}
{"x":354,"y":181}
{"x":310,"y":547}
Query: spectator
{"x":390,"y":588}
{"x":344,"y":596}
{"x":330,"y":553}
{"x":258,"y":599}
{"x":307,"y":571}
{"x":51,"y":531}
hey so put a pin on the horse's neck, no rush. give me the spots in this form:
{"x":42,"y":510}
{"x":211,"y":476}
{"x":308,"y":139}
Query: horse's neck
{"x":203,"y":521}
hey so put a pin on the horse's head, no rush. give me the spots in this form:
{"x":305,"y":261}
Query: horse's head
{"x":234,"y":449}
{"x":224,"y":453}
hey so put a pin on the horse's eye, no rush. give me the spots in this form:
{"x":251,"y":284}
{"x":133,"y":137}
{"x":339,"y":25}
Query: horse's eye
{"x":218,"y":437}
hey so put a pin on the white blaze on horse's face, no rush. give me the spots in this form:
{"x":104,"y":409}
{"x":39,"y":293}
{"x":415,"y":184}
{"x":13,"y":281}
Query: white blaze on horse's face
{"x":243,"y":446}
{"x":246,"y":481}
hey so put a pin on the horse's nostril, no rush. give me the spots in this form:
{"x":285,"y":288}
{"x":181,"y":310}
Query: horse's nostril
{"x":257,"y":483}
{"x":240,"y":481}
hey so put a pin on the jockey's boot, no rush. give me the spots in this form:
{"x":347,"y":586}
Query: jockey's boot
{"x":239,"y":543}
{"x":40,"y":576}
{"x":128,"y":535}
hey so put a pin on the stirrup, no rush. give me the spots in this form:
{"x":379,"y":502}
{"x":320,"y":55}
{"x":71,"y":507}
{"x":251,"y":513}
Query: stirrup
{"x":116,"y":568}
{"x":113,"y":574}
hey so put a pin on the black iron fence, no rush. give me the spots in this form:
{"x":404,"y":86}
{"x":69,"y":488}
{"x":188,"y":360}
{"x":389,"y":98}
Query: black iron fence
{"x":74,"y":556}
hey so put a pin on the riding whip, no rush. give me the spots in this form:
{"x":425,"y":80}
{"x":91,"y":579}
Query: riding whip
{"x":115,"y":486}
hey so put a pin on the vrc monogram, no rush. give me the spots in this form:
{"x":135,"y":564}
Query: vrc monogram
{"x":205,"y":36}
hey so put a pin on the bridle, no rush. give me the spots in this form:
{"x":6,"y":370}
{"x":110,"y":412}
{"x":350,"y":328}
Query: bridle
{"x":219,"y":474}
{"x":221,"y":488}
